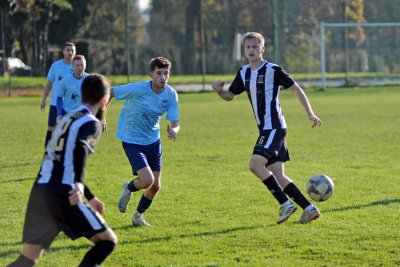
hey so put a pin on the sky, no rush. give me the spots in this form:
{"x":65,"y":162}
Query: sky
{"x":143,"y":4}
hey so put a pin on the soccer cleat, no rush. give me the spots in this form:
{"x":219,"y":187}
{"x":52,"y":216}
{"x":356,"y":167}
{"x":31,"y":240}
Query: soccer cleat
{"x":310,"y":215}
{"x":137,"y":220}
{"x":124,"y":198}
{"x":285,"y":212}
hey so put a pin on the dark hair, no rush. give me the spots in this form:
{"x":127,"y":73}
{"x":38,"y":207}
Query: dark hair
{"x":159,"y":62}
{"x":68,"y":44}
{"x":94,"y":88}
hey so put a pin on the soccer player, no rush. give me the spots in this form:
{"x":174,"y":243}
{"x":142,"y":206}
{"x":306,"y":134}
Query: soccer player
{"x":139,"y":131}
{"x":57,"y":71}
{"x":55,"y":203}
{"x":261,"y":80}
{"x":69,"y":91}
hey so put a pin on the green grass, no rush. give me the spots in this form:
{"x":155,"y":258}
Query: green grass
{"x":211,"y":211}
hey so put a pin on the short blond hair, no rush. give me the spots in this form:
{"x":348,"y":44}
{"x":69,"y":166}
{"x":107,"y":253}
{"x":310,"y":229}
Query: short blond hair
{"x":254,"y":35}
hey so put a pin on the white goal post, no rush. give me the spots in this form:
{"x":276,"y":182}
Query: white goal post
{"x":342,"y":25}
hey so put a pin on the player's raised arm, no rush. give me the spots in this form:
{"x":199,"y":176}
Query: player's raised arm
{"x":218,"y":87}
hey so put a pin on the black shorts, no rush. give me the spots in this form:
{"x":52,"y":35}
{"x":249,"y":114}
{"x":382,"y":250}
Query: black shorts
{"x":49,"y":212}
{"x":51,"y":122}
{"x":271,"y":144}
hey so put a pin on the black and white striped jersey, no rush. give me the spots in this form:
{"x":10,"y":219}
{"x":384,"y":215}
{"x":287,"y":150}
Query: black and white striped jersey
{"x":262,"y":87}
{"x":74,"y":137}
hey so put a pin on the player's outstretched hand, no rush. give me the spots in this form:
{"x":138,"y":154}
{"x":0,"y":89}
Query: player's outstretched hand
{"x":43,"y":106}
{"x":171,"y":133}
{"x":96,"y":204}
{"x":316,"y":121}
{"x":103,"y":126}
{"x":218,"y":86}
{"x":76,"y":194}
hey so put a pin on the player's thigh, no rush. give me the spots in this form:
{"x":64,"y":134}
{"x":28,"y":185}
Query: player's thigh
{"x":154,"y":156}
{"x":40,"y":228}
{"x":80,"y":221}
{"x":146,"y":176}
{"x":136,"y":156}
{"x":257,"y":167}
{"x":270,"y":142}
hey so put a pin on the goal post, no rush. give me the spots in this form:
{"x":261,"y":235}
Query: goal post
{"x":323,"y":27}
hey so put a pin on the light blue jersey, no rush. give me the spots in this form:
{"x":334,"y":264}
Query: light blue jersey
{"x":139,"y":121}
{"x":57,"y":72}
{"x":70,"y":91}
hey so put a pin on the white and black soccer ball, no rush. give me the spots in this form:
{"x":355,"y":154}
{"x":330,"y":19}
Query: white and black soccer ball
{"x":320,"y":187}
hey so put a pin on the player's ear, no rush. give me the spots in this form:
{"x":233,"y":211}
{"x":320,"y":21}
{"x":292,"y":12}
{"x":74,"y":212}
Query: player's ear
{"x":104,"y":99}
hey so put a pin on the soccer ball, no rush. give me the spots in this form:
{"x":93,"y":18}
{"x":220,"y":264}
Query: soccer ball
{"x":320,"y":187}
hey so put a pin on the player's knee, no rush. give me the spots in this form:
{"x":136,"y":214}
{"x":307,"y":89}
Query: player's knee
{"x":254,"y":166}
{"x":155,"y":187}
{"x":50,"y":128}
{"x":147,"y":183}
{"x":113,"y":237}
{"x":107,"y":235}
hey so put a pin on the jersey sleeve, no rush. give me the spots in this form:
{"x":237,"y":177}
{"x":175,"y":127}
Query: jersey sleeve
{"x":124,"y":91}
{"x":51,"y":74}
{"x":173,"y":110}
{"x":88,"y":136}
{"x":282,"y":78}
{"x":237,"y":86}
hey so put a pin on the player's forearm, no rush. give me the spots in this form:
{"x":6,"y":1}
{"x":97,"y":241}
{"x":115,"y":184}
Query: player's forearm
{"x":303,"y":99}
{"x":47,"y":90}
{"x":226,"y":95}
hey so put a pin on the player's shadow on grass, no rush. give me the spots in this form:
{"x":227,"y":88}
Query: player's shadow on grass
{"x":52,"y":249}
{"x":361,"y":206}
{"x":11,"y":251}
{"x":200,"y":234}
{"x":17,"y":180}
{"x":17,"y":165}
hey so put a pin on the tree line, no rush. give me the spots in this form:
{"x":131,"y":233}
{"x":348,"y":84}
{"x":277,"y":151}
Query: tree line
{"x":199,"y":36}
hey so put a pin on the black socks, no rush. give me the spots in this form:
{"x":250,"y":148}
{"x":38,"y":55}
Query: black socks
{"x":294,"y":193}
{"x":98,"y":253}
{"x":22,"y":261}
{"x":144,"y":204}
{"x":272,"y":184}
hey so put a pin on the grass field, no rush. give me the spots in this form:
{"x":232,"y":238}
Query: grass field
{"x":211,"y":210}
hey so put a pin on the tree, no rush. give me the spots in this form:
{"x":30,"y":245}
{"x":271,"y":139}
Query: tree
{"x":28,"y":29}
{"x":109,"y":30}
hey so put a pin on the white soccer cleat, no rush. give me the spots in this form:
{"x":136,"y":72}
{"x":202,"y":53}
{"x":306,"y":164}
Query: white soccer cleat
{"x":310,"y":215}
{"x":137,"y":220}
{"x":124,"y":198}
{"x":285,"y":212}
